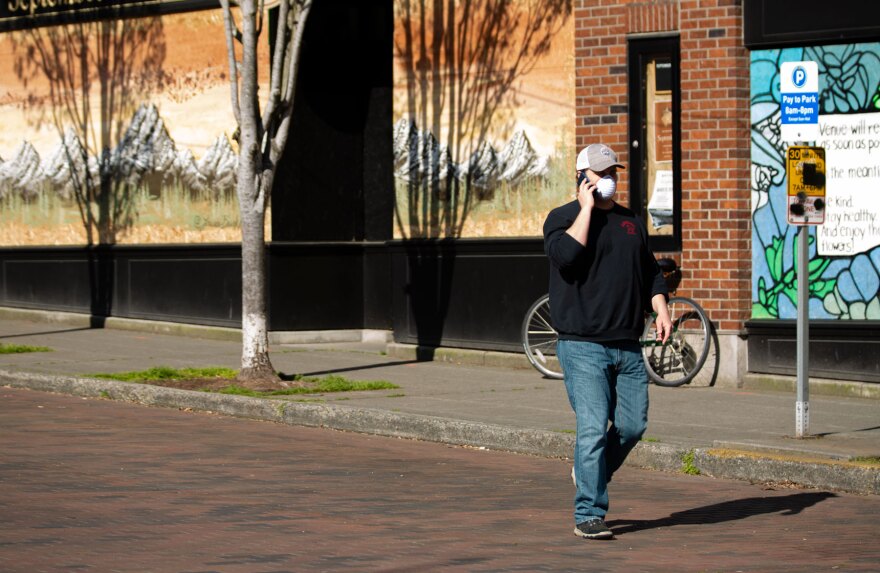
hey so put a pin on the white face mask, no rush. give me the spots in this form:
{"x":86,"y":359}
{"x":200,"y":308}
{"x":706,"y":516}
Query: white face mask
{"x":606,"y":187}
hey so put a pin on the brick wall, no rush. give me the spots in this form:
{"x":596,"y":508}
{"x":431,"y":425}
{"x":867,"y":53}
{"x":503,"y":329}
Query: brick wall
{"x":601,"y":78}
{"x":715,"y":146}
{"x":716,"y":168}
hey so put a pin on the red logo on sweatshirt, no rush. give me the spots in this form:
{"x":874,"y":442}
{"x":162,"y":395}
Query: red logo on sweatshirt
{"x":629,"y":226}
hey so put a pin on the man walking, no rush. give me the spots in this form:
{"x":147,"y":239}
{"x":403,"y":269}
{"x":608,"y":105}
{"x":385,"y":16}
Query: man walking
{"x":603,"y":279}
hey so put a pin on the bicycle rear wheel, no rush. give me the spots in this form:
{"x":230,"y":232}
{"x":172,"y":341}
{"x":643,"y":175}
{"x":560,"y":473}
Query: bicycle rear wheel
{"x":539,"y":339}
{"x":680,"y":359}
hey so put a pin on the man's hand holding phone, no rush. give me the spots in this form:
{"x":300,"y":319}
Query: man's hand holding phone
{"x":586,"y":191}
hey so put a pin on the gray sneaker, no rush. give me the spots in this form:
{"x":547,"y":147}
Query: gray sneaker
{"x":594,"y":528}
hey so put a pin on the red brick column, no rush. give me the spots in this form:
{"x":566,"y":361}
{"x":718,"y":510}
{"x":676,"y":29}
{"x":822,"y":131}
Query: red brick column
{"x":715,"y":146}
{"x":601,"y":78}
{"x":716,"y":167}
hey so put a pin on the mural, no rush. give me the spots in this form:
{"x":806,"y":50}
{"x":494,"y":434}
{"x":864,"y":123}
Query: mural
{"x":844,"y":258}
{"x":484,"y":116}
{"x":117,"y":131}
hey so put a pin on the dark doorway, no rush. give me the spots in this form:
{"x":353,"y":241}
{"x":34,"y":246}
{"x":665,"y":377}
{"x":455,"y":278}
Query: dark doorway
{"x":655,"y":135}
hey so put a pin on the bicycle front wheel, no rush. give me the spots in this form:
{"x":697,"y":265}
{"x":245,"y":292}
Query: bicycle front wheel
{"x":539,"y":339}
{"x":680,"y":359}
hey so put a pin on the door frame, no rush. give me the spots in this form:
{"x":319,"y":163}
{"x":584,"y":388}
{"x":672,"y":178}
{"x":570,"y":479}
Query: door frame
{"x":638,"y":50}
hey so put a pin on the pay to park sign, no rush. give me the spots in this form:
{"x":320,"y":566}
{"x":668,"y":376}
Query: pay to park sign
{"x":799,"y":100}
{"x":805,"y":168}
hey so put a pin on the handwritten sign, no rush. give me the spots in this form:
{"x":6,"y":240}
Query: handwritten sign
{"x":852,"y":148}
{"x":661,"y":206}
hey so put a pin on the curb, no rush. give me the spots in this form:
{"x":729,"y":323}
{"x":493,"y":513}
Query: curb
{"x":720,"y":463}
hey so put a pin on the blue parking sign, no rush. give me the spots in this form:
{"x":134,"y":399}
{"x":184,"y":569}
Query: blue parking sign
{"x":799,"y":101}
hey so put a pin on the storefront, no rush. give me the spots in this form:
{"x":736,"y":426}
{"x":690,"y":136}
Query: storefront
{"x":430,"y":140}
{"x":844,"y":258}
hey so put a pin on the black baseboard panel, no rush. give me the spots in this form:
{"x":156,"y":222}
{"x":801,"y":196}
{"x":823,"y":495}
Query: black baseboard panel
{"x":465,"y":293}
{"x":838,"y":350}
{"x":311,"y":286}
{"x":198,"y":284}
{"x":193,"y":284}
{"x":328,"y":286}
{"x":51,"y":282}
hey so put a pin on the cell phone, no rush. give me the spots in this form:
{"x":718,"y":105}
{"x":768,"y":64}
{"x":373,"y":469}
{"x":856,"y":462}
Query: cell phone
{"x":583,"y":175}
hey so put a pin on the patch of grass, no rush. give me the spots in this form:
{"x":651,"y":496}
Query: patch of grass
{"x":315,"y":385}
{"x":651,"y":440}
{"x":167,"y":373}
{"x":395,"y":395}
{"x":22,"y":348}
{"x":870,"y":460}
{"x":687,"y":464}
{"x":566,"y":431}
{"x":342,"y":384}
{"x":309,"y":385}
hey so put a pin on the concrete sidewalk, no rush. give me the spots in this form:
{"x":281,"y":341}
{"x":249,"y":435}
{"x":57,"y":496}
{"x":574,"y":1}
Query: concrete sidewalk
{"x":734,"y":433}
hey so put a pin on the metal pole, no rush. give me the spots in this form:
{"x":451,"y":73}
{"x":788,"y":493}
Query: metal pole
{"x":802,"y":408}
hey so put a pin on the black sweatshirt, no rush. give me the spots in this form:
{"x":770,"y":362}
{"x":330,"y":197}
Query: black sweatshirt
{"x":601,"y":292}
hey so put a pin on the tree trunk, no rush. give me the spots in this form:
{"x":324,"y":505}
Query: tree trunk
{"x":256,"y":371}
{"x":261,"y":142}
{"x":256,"y":368}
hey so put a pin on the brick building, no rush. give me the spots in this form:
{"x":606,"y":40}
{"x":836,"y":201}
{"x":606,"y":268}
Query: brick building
{"x":686,"y":91}
{"x":620,"y":46}
{"x":716,"y":52}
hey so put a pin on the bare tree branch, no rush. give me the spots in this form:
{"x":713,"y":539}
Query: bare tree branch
{"x":231,"y":30}
{"x":282,"y":35}
{"x":299,"y":26}
{"x":461,"y":60}
{"x":278,"y":128}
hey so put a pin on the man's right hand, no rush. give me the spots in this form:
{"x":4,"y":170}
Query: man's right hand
{"x":585,"y":194}
{"x":581,"y":225}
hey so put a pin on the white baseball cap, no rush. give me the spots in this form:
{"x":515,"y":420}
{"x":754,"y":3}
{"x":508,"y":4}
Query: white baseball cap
{"x":597,"y":157}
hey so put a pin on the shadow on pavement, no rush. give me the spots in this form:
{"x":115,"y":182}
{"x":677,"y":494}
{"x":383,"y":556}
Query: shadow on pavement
{"x":46,"y":333}
{"x":823,"y":434}
{"x":725,"y":511}
{"x":289,"y":377}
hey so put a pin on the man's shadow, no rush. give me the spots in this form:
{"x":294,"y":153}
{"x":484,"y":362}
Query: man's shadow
{"x":725,"y":511}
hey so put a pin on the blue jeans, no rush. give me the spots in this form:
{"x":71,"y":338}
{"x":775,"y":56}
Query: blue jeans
{"x":605,"y":382}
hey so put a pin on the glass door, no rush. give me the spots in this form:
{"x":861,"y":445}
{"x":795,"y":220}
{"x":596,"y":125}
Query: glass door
{"x":654,"y":125}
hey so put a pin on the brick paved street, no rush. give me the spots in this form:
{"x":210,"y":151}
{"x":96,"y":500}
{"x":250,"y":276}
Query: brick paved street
{"x":96,"y":485}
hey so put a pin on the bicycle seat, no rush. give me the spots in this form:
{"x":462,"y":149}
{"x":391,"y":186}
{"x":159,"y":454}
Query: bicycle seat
{"x":667,"y":265}
{"x":671,"y":272}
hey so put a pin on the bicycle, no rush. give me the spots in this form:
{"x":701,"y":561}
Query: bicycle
{"x":672,"y":364}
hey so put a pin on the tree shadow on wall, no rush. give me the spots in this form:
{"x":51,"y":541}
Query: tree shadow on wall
{"x":460,"y":61}
{"x":86,"y":78}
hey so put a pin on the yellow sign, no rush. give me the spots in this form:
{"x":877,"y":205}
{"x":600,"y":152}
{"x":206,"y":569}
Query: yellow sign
{"x":805,"y":170}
